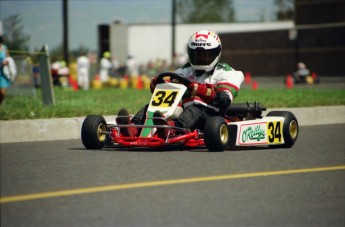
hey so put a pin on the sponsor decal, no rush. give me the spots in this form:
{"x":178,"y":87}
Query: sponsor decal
{"x":200,"y":44}
{"x":253,"y":133}
{"x":261,"y":133}
{"x":139,"y":143}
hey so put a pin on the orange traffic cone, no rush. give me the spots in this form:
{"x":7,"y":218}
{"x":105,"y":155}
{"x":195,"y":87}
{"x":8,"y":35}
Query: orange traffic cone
{"x":140,"y":84}
{"x":289,"y":82}
{"x":73,"y":83}
{"x":313,"y":75}
{"x":247,"y":78}
{"x":255,"y":85}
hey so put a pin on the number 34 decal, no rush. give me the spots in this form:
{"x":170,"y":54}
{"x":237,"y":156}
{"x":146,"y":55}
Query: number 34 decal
{"x":164,"y":98}
{"x":275,"y":132}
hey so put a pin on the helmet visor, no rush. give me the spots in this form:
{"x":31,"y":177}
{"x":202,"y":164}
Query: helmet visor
{"x":200,"y":56}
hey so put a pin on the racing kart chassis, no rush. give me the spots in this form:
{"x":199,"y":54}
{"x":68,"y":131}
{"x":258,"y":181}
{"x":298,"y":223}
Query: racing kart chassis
{"x":241,"y":125}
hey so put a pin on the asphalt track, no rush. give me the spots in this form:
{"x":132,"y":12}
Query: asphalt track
{"x":59,"y":183}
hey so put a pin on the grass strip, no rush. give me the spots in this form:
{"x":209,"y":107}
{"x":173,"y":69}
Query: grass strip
{"x":109,"y":101}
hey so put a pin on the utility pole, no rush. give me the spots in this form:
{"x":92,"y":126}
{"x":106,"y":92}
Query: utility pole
{"x":65,"y":30}
{"x":173,"y":25}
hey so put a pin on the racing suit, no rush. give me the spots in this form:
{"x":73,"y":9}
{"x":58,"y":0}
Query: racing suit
{"x":210,"y":94}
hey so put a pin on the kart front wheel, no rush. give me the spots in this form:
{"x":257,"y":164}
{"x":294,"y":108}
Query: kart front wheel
{"x":93,"y":132}
{"x":216,"y":134}
{"x":290,"y":127}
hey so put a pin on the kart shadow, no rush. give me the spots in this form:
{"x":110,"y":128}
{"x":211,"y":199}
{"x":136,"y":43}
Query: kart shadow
{"x":144,"y":149}
{"x":182,"y":149}
{"x":175,"y":148}
{"x":158,"y":149}
{"x":253,"y":148}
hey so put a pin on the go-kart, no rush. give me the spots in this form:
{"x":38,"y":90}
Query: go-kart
{"x":241,"y":125}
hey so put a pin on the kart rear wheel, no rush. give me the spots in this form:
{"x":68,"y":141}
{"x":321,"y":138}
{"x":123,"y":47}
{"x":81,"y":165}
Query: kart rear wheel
{"x":92,"y":132}
{"x":216,"y":134}
{"x":290,"y":127}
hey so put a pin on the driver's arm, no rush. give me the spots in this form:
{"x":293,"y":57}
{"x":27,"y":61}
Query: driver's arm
{"x":227,"y":88}
{"x":221,"y":100}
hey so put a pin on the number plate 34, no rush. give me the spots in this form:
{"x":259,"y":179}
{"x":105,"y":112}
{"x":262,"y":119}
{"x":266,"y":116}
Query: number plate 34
{"x":166,"y":98}
{"x":260,"y":133}
{"x":275,"y":132}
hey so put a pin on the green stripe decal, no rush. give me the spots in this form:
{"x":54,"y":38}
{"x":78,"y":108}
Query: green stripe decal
{"x":145,"y":132}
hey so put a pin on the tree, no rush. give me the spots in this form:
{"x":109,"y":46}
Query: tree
{"x":284,"y":9}
{"x":201,"y":11}
{"x":13,"y":34}
{"x":56,"y":53}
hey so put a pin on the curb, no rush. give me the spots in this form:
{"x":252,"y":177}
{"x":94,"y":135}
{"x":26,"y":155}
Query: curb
{"x":70,"y":128}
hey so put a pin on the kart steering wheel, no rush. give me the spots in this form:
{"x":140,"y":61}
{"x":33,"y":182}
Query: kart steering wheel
{"x":174,"y":77}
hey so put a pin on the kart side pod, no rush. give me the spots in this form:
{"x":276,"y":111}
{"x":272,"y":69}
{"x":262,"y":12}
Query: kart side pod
{"x":278,"y":128}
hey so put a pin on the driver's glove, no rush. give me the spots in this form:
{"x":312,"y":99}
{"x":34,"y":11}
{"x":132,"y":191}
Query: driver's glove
{"x":153,"y":84}
{"x":205,"y":91}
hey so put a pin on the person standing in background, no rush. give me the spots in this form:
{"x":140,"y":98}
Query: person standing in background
{"x":83,"y":63}
{"x":132,"y":67}
{"x":301,"y":73}
{"x":105,"y":66}
{"x":4,"y":81}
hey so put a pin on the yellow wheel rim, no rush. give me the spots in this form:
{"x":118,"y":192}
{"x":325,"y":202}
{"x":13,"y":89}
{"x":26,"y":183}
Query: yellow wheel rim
{"x":224,"y":134}
{"x":100,"y":132}
{"x":293,"y":129}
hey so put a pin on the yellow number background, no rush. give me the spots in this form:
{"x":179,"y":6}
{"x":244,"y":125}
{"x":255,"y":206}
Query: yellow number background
{"x":274,"y":134}
{"x":159,"y":98}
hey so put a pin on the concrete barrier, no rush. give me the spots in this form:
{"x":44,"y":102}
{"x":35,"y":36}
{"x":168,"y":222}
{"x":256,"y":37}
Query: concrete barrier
{"x":318,"y":115}
{"x":70,"y":128}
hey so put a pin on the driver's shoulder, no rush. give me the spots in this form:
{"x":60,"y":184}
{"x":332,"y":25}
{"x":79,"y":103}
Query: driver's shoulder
{"x":184,"y":70}
{"x":224,"y":66}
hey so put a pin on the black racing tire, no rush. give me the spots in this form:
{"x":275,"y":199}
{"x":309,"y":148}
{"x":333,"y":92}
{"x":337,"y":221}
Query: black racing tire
{"x":92,"y":132}
{"x":216,"y":134}
{"x":290,"y":127}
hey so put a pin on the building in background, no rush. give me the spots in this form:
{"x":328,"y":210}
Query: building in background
{"x":316,"y":37}
{"x":320,"y":35}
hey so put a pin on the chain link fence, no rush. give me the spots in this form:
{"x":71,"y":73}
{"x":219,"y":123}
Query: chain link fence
{"x":25,"y":83}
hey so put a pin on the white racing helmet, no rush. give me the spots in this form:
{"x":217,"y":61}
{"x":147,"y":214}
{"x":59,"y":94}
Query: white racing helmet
{"x":204,"y":49}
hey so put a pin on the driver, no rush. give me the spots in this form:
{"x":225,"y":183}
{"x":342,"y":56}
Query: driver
{"x":212,"y":89}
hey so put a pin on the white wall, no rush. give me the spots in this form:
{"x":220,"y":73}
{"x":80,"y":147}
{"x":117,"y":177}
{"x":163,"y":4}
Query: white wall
{"x":149,"y":42}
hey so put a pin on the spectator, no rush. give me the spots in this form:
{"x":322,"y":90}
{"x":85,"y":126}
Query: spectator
{"x":63,"y":73}
{"x":115,"y":67}
{"x":83,"y":70}
{"x":36,"y":75}
{"x":151,"y":70}
{"x":105,"y":66}
{"x":132,"y":66}
{"x":5,"y":82}
{"x":55,"y":75}
{"x":301,"y":73}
